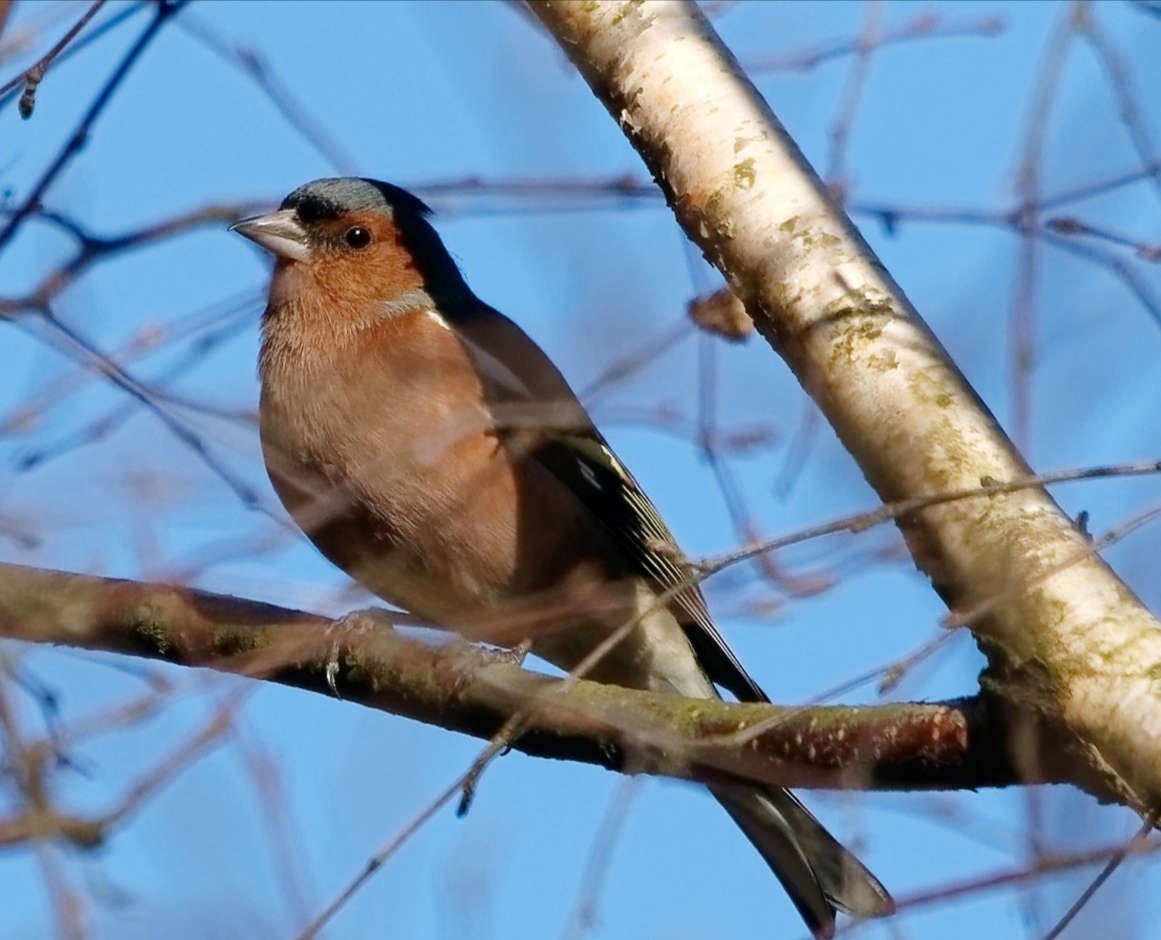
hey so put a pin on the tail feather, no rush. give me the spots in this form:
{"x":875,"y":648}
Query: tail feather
{"x":820,"y":875}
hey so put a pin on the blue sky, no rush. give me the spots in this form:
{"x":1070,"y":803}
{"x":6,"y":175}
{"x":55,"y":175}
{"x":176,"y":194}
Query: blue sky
{"x":427,"y":94}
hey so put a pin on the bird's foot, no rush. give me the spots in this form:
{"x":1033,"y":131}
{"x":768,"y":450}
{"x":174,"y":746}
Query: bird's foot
{"x":501,"y":744}
{"x":514,"y":655}
{"x":468,"y":792}
{"x":354,"y":623}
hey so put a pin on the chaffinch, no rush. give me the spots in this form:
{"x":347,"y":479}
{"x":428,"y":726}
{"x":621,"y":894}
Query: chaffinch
{"x":432,"y":451}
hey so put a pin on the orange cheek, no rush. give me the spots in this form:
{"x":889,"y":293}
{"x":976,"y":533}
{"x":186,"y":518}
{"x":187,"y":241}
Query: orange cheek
{"x":393,"y":270}
{"x":365,"y":278}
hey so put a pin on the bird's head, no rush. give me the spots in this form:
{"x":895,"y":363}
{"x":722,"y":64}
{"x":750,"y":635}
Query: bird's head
{"x":360,"y":239}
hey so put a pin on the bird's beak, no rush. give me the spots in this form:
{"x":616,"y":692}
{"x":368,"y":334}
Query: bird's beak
{"x":279,"y":232}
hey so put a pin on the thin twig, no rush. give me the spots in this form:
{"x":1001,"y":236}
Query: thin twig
{"x":1137,"y":843}
{"x":165,"y":9}
{"x":33,"y":76}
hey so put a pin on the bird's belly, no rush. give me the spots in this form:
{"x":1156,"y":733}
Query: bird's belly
{"x":420,"y":562}
{"x":502,"y":555}
{"x":400,"y":515}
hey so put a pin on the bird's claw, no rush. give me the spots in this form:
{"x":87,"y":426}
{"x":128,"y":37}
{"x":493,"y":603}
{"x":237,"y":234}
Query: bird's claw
{"x":467,"y":794}
{"x":356,"y":622}
{"x":517,"y":654}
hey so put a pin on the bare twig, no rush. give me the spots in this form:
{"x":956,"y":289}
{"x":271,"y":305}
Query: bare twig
{"x":164,"y":10}
{"x":33,"y":76}
{"x":923,"y":27}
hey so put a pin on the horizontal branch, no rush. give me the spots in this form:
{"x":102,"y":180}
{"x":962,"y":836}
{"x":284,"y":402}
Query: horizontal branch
{"x":475,"y":690}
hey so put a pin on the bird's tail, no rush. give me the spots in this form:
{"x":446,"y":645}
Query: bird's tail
{"x":817,"y":872}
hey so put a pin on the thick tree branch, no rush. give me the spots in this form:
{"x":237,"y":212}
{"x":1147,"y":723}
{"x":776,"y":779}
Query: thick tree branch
{"x":465,"y":688}
{"x":1064,"y":636}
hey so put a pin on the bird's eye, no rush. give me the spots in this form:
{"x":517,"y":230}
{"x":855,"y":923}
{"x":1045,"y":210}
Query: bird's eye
{"x":357,"y":237}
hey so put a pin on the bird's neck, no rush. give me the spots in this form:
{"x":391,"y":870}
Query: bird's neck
{"x":308,"y":328}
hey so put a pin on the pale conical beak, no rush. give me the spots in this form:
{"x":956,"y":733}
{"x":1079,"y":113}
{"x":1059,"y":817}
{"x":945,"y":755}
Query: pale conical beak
{"x":279,"y":232}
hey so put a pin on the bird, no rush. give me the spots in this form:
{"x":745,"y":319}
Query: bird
{"x":431,"y":450}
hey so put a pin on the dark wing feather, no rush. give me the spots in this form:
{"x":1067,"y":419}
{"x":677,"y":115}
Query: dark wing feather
{"x":586,"y":464}
{"x":532,"y":401}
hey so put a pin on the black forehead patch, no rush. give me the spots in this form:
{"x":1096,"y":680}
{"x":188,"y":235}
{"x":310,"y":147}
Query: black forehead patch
{"x":332,"y":198}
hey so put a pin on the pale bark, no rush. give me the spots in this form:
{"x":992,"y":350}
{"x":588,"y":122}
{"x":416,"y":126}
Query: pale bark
{"x":1062,"y":633}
